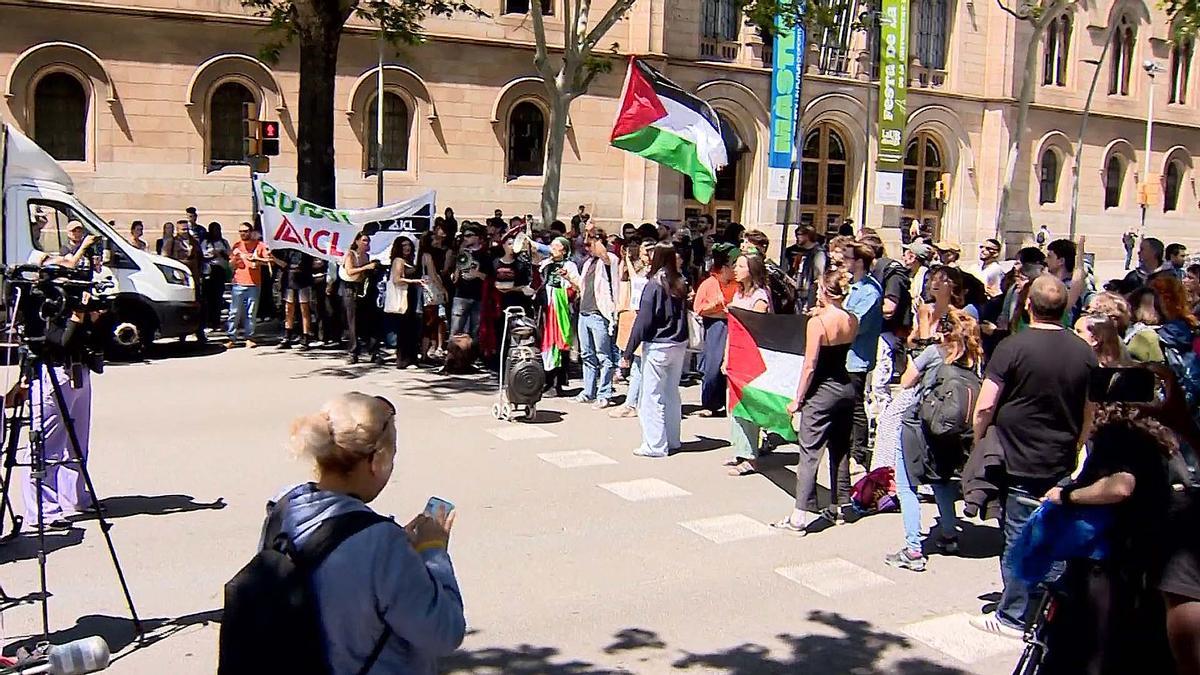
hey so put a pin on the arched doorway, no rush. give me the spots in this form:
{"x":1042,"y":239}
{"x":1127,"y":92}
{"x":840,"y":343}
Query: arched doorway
{"x":726,"y":204}
{"x":925,"y":183}
{"x":823,"y":178}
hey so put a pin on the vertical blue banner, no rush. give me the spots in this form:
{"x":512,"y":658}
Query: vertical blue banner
{"x":786,"y":71}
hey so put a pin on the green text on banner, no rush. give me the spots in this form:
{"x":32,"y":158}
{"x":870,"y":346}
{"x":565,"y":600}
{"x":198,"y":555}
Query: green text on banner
{"x":893,"y":98}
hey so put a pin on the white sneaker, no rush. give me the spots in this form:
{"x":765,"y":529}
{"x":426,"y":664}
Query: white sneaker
{"x":643,"y":451}
{"x":990,"y":623}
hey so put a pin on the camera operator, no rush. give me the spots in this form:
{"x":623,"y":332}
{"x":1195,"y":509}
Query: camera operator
{"x":63,"y":491}
{"x":79,"y":251}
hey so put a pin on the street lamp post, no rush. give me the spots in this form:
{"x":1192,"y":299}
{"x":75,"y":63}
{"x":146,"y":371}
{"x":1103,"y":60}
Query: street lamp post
{"x":1083,"y":124}
{"x":1151,"y":68}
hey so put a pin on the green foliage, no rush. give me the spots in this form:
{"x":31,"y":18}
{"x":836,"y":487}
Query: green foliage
{"x":400,"y":20}
{"x":817,"y":14}
{"x":1186,"y":17}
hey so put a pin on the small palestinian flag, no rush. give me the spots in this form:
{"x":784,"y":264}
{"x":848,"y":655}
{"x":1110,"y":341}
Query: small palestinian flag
{"x":661,"y":122}
{"x":766,"y":352}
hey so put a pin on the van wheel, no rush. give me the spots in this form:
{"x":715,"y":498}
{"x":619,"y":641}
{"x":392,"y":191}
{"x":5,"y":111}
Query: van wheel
{"x":130,"y":333}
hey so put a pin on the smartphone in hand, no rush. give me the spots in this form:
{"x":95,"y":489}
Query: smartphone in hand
{"x":439,"y":509}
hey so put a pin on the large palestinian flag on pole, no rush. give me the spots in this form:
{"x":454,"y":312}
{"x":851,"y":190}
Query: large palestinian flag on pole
{"x":661,"y":122}
{"x":766,"y":352}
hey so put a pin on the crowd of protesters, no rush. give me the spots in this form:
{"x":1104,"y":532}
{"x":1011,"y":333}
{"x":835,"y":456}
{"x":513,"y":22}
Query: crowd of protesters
{"x":646,"y":305}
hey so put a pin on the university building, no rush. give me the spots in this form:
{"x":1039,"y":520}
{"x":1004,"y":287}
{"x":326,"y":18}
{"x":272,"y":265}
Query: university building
{"x":141,"y":100}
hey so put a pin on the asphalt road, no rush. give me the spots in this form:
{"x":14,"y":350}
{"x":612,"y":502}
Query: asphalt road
{"x":574,"y":556}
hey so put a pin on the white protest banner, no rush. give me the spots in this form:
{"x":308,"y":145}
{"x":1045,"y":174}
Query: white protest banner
{"x":289,"y":222}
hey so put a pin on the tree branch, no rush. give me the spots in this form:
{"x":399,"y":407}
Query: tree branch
{"x":1008,"y":11}
{"x":541,"y":57}
{"x":610,"y":18}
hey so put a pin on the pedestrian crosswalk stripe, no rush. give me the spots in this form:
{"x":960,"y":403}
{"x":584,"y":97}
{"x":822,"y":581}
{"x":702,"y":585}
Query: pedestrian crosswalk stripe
{"x":644,"y":489}
{"x":833,"y":577}
{"x":572,"y":459}
{"x":955,"y":636}
{"x":468,"y":411}
{"x":723,"y":529}
{"x":519,"y":432}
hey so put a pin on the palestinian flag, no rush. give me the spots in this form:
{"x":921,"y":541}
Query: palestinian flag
{"x":766,"y":352}
{"x":556,"y":330}
{"x":661,"y":122}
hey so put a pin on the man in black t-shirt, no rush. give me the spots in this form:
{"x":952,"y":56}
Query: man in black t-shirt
{"x":471,"y":269}
{"x":893,"y":277}
{"x":1033,"y":403}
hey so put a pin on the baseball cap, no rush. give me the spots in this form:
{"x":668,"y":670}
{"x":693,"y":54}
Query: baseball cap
{"x":74,"y":225}
{"x":922,"y":251}
{"x":948,"y":245}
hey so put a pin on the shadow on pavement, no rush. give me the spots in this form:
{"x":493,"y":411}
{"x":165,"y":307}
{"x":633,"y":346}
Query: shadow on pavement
{"x":25,"y":545}
{"x":702,"y":444}
{"x":118,"y":631}
{"x":157,"y":505}
{"x":858,"y":649}
{"x":164,"y":350}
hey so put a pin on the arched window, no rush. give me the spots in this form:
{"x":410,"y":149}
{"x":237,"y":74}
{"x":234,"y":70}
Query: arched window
{"x":1114,"y":181}
{"x":1181,"y":70}
{"x":920,"y":196}
{"x":395,"y":132}
{"x":932,"y":17}
{"x":1057,"y":48}
{"x":1048,"y":177}
{"x":1121,"y":65}
{"x":60,"y":109}
{"x":823,"y":177}
{"x":1172,"y":181}
{"x":225,"y":132}
{"x":526,"y":140}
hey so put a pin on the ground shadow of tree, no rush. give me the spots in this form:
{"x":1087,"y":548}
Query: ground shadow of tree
{"x":118,"y":631}
{"x":856,"y":648}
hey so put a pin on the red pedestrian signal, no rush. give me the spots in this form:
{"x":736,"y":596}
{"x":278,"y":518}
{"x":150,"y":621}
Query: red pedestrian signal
{"x":269,"y":133}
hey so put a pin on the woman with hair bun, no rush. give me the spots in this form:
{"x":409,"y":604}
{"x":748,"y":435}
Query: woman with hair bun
{"x":825,"y":401}
{"x":387,"y":596}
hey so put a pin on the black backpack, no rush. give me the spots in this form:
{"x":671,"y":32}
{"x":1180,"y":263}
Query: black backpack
{"x":783,"y":294}
{"x":903,"y":317}
{"x":946,"y":410}
{"x":271,"y":622}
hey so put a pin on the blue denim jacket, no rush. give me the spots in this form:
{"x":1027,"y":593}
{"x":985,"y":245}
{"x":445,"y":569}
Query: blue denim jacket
{"x":865,"y":302}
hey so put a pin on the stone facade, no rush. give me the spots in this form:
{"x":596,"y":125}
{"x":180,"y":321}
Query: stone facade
{"x":149,"y":69}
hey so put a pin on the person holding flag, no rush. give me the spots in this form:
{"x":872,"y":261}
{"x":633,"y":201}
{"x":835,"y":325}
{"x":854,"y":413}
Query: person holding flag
{"x":560,"y":282}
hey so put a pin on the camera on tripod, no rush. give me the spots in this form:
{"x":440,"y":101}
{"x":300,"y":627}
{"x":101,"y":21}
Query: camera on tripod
{"x":56,"y":308}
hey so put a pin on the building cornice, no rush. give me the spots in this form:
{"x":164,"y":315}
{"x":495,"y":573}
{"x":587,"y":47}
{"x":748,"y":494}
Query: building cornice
{"x":193,"y":16}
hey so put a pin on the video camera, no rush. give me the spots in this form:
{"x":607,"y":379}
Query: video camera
{"x":55,"y":307}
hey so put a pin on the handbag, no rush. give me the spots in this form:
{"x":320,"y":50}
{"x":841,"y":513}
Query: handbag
{"x":695,"y":332}
{"x":395,"y":299}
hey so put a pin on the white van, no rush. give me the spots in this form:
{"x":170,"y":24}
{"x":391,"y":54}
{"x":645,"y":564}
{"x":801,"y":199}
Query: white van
{"x":153,"y":296}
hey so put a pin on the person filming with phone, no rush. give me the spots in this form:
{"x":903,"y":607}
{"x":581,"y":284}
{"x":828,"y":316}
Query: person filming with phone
{"x":386,"y":596}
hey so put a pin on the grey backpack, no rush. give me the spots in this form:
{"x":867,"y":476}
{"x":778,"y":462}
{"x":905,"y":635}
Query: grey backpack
{"x":947,"y":408}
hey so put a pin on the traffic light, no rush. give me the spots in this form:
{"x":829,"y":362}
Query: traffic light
{"x":251,"y":145}
{"x":268,"y":133}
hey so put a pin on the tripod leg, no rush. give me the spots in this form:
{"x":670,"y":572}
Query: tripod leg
{"x":13,"y":429}
{"x":77,"y":455}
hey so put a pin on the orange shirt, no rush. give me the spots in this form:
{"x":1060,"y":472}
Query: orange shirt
{"x":712,"y":296}
{"x":246,"y":273}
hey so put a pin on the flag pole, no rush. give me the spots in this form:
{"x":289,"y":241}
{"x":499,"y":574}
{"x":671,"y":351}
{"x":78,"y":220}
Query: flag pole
{"x":379,"y":127}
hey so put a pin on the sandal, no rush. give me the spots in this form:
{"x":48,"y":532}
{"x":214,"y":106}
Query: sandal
{"x":788,"y":526}
{"x":733,"y":461}
{"x":744,"y":467}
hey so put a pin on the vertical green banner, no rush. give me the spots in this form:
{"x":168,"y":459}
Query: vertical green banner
{"x":893,"y":83}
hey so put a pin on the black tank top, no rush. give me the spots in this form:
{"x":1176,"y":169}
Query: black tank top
{"x":831,"y":364}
